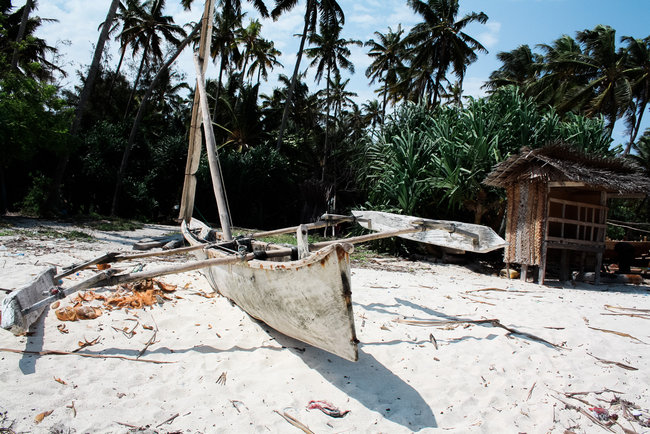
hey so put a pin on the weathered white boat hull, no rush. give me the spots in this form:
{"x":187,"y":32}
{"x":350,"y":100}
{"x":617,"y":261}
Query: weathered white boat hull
{"x":488,"y":240}
{"x":308,"y":299}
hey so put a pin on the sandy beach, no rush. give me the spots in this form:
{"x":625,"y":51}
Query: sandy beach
{"x":193,"y":362}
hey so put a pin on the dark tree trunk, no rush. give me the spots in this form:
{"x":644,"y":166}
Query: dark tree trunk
{"x":21,"y":32}
{"x":294,"y":77}
{"x":55,"y":190}
{"x":137,"y":80}
{"x":140,"y":114}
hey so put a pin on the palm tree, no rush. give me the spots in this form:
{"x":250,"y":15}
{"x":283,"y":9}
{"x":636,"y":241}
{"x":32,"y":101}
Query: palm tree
{"x":224,"y":44}
{"x":148,"y":31}
{"x":372,"y":113}
{"x":439,"y":43}
{"x":329,"y":53}
{"x":29,"y":5}
{"x":265,"y":57}
{"x":638,"y":69}
{"x":339,"y":97}
{"x":330,"y":14}
{"x":388,"y":56}
{"x":519,"y":67}
{"x":608,"y":90}
{"x":19,"y":43}
{"x":126,"y":19}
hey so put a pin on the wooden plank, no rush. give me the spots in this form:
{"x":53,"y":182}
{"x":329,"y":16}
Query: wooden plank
{"x":566,"y":184}
{"x":570,"y":202}
{"x":576,"y":222}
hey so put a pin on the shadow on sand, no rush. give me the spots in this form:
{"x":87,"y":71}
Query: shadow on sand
{"x":368,"y":381}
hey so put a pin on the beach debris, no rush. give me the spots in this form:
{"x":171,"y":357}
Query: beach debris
{"x":72,"y":407}
{"x":63,"y":329}
{"x":58,"y":380}
{"x":40,"y":416}
{"x":619,"y":364}
{"x":628,"y":311}
{"x":236,"y":404}
{"x":509,"y":273}
{"x":151,"y":341}
{"x":326,"y":408}
{"x":476,"y":301}
{"x":125,"y":331}
{"x":168,"y":421}
{"x":433,"y":340}
{"x":295,"y":422}
{"x":205,"y":294}
{"x":494,"y":322}
{"x":625,"y":335}
{"x":75,"y":313}
{"x":585,"y":413}
{"x":131,"y":296}
{"x":87,"y":343}
{"x":222,"y":378}
{"x":602,"y":414}
{"x":55,"y":305}
{"x":530,"y":392}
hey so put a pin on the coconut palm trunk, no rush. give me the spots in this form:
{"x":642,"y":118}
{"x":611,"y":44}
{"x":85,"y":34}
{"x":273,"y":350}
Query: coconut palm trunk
{"x":21,"y":32}
{"x":145,"y":52}
{"x":55,"y":189}
{"x":140,"y":114}
{"x":294,"y":77}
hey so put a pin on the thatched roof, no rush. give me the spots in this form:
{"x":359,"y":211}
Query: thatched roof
{"x":560,"y":162}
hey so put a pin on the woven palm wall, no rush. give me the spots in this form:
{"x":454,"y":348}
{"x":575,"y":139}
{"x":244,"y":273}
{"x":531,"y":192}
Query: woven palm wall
{"x":526,"y":222}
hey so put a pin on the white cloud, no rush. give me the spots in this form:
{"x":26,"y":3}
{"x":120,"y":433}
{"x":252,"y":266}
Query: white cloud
{"x":490,"y":37}
{"x":472,"y":86}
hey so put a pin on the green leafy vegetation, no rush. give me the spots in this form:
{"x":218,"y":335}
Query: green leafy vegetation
{"x":117,"y":144}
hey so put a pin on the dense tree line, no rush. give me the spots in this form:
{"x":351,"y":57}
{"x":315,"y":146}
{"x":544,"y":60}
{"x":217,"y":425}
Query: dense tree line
{"x":117,"y":144}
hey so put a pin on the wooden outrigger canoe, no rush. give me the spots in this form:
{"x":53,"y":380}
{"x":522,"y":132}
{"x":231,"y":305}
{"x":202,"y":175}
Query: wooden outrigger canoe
{"x":307,"y":299}
{"x":453,"y":235}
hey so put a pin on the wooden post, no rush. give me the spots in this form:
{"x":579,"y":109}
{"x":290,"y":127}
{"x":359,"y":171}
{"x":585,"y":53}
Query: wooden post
{"x":213,"y":159}
{"x":564,"y":266}
{"x":194,"y":149}
{"x":524,"y":272}
{"x":601,"y":236}
{"x":302,"y":239}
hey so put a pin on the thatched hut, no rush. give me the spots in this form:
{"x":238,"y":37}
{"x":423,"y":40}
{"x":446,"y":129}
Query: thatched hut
{"x":557,"y":203}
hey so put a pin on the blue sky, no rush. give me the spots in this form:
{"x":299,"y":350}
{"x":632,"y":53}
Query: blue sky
{"x":511,"y":23}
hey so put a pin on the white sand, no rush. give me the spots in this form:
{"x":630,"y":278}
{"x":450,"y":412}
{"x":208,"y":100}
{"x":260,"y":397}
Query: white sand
{"x":477,"y":380}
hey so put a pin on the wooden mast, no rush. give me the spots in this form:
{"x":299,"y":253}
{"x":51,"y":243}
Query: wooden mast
{"x":211,"y":149}
{"x":194,"y":149}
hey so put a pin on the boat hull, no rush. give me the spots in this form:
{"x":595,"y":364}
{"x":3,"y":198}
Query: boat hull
{"x":488,"y":240}
{"x":308,"y":299}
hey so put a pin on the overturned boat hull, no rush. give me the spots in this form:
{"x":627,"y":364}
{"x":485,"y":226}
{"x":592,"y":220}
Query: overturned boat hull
{"x":307,"y":299}
{"x":484,"y":240}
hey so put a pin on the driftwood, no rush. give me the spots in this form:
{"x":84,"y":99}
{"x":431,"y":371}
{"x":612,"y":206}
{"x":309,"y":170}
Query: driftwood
{"x":583,"y":412}
{"x":295,"y":422}
{"x":492,"y":322}
{"x":619,"y":364}
{"x":71,"y":353}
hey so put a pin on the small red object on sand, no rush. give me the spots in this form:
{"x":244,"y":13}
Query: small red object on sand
{"x":326,"y":408}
